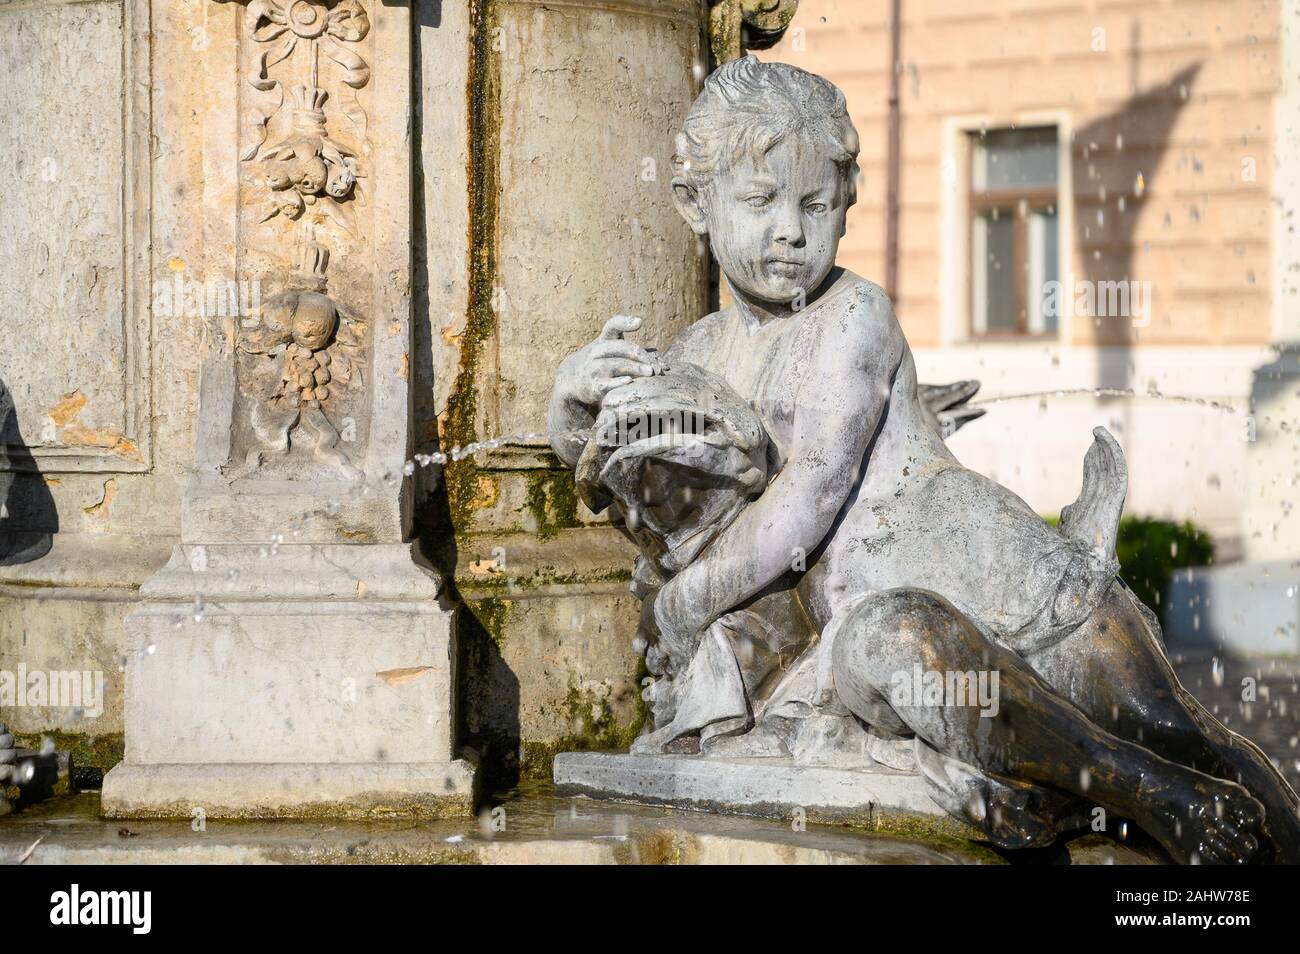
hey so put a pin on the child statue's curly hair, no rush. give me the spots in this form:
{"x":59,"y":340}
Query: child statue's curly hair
{"x":748,"y":106}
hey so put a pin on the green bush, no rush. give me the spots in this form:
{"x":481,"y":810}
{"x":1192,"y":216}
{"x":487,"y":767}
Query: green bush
{"x":1150,"y":551}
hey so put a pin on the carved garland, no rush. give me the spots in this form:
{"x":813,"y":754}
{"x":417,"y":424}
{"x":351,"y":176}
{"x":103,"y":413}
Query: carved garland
{"x":319,"y":342}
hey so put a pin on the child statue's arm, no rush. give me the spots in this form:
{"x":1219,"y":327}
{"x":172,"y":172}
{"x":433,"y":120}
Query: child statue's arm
{"x":845,"y":387}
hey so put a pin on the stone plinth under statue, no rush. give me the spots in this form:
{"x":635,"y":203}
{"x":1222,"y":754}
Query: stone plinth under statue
{"x":866,"y":795}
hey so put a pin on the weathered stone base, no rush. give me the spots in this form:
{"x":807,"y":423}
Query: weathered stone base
{"x":299,"y":681}
{"x":64,"y":613}
{"x":546,"y":647}
{"x":423,"y":790}
{"x":774,"y":788}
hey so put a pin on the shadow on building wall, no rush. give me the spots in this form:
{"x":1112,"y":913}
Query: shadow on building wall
{"x":28,"y":518}
{"x":487,"y":689}
{"x":1115,"y":161}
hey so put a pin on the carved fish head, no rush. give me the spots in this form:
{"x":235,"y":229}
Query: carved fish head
{"x":680,"y":454}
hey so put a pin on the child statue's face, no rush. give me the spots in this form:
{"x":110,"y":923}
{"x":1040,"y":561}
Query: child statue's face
{"x":775,"y":221}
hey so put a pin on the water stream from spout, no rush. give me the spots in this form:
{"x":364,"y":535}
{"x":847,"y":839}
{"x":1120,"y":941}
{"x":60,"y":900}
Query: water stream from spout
{"x":1130,"y":393}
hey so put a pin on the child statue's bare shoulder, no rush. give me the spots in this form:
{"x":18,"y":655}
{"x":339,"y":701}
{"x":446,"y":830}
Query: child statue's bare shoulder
{"x":856,"y":319}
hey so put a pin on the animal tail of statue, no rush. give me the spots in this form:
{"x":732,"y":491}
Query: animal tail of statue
{"x":1094,"y":518}
{"x":1092,"y":524}
{"x":1076,"y":577}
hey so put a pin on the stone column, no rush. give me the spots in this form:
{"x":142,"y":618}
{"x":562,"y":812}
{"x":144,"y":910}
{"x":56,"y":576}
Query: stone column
{"x":570,"y":220}
{"x":296,"y":656}
{"x":575,"y":105}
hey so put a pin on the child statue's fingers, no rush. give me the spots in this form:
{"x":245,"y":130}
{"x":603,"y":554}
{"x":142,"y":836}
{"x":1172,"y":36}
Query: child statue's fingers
{"x":621,"y":349}
{"x":617,"y":326}
{"x":604,"y":387}
{"x":617,"y":368}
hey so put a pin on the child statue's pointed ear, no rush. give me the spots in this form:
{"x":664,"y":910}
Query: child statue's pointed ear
{"x":687,"y":199}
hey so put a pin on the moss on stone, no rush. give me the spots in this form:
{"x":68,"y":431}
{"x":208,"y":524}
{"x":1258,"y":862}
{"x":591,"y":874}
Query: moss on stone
{"x":943,"y":831}
{"x":365,"y":853}
{"x":552,"y":500}
{"x":387,"y":808}
{"x":462,"y":476}
{"x":491,"y":614}
{"x":595,"y":727}
{"x":91,"y":755}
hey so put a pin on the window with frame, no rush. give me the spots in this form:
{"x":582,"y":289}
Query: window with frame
{"x":1014,"y":241}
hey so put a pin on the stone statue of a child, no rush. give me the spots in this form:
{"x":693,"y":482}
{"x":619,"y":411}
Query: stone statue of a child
{"x":864,"y":550}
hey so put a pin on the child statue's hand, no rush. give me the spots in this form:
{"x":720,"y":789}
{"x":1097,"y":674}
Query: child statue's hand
{"x":607,"y":363}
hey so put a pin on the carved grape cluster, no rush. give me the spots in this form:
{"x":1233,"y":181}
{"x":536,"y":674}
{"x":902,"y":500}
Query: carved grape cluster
{"x":307,"y":373}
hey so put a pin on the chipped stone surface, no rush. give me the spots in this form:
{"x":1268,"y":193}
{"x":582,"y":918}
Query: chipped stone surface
{"x":67,"y":333}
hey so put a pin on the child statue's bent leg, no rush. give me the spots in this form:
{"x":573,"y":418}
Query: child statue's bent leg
{"x":1114,"y":669}
{"x":1036,"y":736}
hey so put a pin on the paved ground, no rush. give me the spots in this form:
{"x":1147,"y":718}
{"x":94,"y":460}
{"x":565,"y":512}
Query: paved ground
{"x":1272,"y":720}
{"x":529,"y":827}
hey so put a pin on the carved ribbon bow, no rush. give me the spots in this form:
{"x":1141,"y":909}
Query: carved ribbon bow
{"x":285,"y":24}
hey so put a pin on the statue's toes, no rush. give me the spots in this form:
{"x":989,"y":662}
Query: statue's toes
{"x":1017,"y":826}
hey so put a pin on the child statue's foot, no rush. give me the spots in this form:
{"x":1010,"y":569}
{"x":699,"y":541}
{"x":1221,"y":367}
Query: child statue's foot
{"x":1201,"y":820}
{"x":1012,"y":814}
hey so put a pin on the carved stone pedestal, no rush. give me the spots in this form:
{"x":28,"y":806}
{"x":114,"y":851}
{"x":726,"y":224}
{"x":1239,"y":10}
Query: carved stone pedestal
{"x":295,"y":656}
